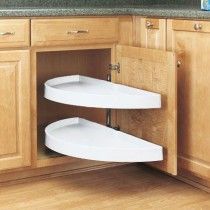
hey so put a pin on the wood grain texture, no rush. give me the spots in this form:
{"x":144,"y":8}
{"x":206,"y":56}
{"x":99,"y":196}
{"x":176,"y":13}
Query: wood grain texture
{"x":194,"y":96}
{"x":15,"y":149}
{"x":125,"y":30}
{"x":21,"y":30}
{"x":153,"y":37}
{"x":127,"y":187}
{"x":151,"y":70}
{"x":49,"y":32}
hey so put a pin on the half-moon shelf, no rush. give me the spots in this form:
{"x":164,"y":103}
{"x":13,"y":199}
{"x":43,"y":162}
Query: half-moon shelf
{"x":88,"y":92}
{"x":84,"y":139}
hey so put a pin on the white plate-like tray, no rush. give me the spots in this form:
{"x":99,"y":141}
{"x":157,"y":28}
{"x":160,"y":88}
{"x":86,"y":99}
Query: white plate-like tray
{"x":81,"y":138}
{"x":88,"y":92}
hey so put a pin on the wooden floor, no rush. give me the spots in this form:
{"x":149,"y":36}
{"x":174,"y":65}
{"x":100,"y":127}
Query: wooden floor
{"x":125,"y":187}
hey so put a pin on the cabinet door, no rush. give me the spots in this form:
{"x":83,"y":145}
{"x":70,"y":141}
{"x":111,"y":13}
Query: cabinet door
{"x":193,"y":38}
{"x":152,"y":70}
{"x":150,"y":32}
{"x":14,"y":109}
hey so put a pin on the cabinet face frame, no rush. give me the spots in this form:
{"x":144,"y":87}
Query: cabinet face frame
{"x":193,"y":115}
{"x":15,"y":75}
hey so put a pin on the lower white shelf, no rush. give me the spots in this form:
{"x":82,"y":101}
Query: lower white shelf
{"x":84,"y":139}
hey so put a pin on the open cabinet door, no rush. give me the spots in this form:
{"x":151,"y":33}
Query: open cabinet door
{"x":156,"y":71}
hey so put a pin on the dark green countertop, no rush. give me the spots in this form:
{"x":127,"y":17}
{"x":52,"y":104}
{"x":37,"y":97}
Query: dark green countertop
{"x":188,"y":11}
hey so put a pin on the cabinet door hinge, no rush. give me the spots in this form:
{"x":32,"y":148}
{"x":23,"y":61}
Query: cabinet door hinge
{"x":115,"y":67}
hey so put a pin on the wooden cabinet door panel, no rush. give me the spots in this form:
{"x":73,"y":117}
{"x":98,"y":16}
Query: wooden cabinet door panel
{"x":194,"y":94}
{"x":152,"y":70}
{"x":14,"y":109}
{"x":150,"y":33}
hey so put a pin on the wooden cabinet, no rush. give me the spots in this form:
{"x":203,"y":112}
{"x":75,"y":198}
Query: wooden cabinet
{"x":193,"y":37}
{"x":84,"y":46}
{"x":15,"y":142}
{"x":150,"y":32}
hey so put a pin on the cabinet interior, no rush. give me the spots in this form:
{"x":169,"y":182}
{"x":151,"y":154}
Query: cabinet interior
{"x":93,"y":63}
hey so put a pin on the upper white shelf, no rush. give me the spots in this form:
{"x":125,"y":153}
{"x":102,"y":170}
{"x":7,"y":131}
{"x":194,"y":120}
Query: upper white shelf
{"x":88,"y":92}
{"x":81,"y":138}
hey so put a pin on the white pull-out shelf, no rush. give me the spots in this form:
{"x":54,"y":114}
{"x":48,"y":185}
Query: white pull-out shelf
{"x":88,"y":92}
{"x":81,"y":138}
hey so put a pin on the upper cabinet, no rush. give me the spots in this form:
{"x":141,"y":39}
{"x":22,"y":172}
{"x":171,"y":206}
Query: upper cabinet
{"x":74,"y":31}
{"x":193,"y":37}
{"x":15,"y":149}
{"x":150,"y":32}
{"x":14,"y":33}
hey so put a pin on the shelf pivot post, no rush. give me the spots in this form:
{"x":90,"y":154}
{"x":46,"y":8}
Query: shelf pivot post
{"x":112,"y":67}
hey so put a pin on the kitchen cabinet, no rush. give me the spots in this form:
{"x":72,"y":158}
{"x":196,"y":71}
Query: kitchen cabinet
{"x":89,"y":53}
{"x":75,"y":46}
{"x":130,"y":51}
{"x":193,"y":38}
{"x":15,"y":149}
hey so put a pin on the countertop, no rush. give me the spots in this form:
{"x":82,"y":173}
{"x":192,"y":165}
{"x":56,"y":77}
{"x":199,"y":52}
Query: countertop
{"x":165,"y":11}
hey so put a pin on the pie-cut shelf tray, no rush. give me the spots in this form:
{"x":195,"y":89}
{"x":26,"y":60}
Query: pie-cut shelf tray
{"x":84,"y":139}
{"x":88,"y":92}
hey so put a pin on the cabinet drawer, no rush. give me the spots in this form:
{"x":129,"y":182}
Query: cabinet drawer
{"x":48,"y":32}
{"x":14,"y":33}
{"x":189,"y":25}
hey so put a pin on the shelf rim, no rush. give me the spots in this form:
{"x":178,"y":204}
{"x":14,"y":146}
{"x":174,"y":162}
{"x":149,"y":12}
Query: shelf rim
{"x":149,"y":153}
{"x":133,"y":99}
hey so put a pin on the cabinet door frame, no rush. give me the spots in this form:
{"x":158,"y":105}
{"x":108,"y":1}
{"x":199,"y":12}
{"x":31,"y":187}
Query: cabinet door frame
{"x":19,"y":62}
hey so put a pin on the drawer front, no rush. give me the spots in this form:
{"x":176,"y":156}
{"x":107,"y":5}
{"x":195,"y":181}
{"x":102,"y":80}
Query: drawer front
{"x":191,"y":26}
{"x":14,"y":33}
{"x":51,"y":32}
